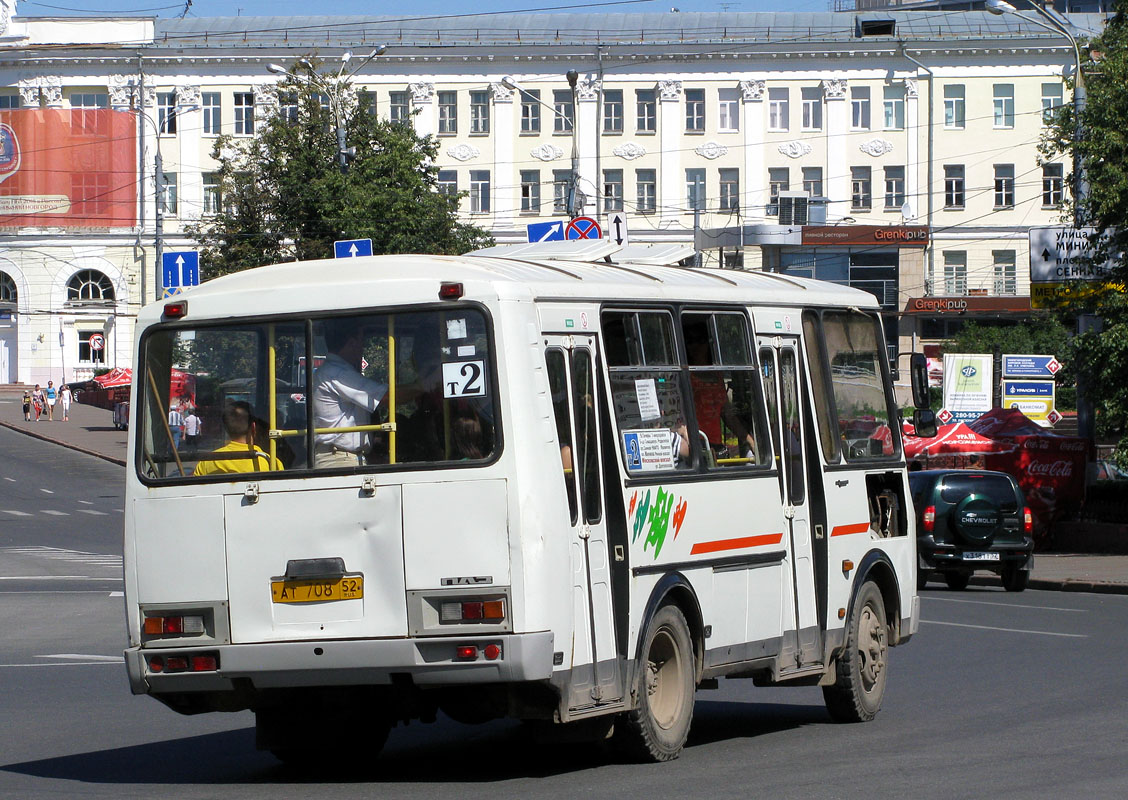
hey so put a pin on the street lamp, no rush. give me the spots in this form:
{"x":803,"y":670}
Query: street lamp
{"x":575,"y":196}
{"x":158,"y":185}
{"x":332,"y":91}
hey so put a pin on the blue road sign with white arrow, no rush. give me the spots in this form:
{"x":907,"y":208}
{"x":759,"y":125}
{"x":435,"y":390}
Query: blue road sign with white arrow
{"x":180,"y":269}
{"x":352,"y":248}
{"x":546,"y":231}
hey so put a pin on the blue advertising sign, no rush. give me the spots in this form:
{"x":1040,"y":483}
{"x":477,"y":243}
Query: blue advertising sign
{"x":352,"y":248}
{"x":1030,"y":366}
{"x":1028,"y":388}
{"x":179,"y":269}
{"x":545,"y":231}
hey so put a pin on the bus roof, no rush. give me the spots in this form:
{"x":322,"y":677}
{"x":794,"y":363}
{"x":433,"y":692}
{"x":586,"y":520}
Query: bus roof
{"x":334,"y":284}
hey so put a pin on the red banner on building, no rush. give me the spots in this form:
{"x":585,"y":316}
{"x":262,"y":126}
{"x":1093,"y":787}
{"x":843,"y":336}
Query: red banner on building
{"x":69,"y":168}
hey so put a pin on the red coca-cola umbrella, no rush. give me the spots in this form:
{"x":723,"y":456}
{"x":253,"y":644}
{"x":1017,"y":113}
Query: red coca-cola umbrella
{"x":118,"y":376}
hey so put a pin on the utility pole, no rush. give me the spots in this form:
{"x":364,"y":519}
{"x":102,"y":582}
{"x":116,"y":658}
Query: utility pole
{"x":575,"y":198}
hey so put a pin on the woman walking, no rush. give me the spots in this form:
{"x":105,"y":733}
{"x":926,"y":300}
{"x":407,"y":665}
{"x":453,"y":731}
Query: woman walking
{"x":37,"y":400}
{"x":52,"y":397}
{"x":65,"y":401}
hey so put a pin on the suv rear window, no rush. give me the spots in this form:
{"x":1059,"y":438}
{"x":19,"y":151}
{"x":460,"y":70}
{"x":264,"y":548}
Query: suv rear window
{"x":996,"y":488}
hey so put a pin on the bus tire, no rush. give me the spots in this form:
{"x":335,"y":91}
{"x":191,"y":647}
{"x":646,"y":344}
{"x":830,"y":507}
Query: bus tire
{"x":658,"y":726}
{"x":861,"y":668}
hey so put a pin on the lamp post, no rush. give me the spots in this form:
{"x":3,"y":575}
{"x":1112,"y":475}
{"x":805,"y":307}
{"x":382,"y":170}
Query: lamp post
{"x":158,"y":186}
{"x":333,"y":92}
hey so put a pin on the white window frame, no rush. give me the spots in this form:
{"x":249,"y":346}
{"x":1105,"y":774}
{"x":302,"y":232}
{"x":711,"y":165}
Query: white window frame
{"x":1053,"y":98}
{"x":245,"y":113}
{"x":479,"y":191}
{"x":893,"y":107}
{"x":212,"y":105}
{"x":860,"y":108}
{"x":955,"y":106}
{"x":1003,"y":105}
{"x":728,"y":110}
{"x":779,"y":99}
{"x":811,"y":98}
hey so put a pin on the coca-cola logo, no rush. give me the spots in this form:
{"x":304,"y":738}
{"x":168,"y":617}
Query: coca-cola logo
{"x":1051,"y":469}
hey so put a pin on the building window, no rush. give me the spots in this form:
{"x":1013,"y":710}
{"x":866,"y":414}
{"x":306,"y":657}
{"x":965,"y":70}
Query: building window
{"x":87,"y":116}
{"x":1051,"y":101}
{"x":813,"y":181}
{"x":954,"y":188}
{"x":479,"y":188}
{"x":695,"y":189}
{"x":211,"y":193}
{"x":530,"y":191}
{"x":955,"y":273}
{"x":894,"y":187}
{"x":860,"y":108}
{"x":1004,"y":105}
{"x":448,"y":113}
{"x":646,"y":111}
{"x":612,"y":190}
{"x":90,"y":286}
{"x":90,"y":195}
{"x":530,"y":111}
{"x":730,"y":189}
{"x":812,"y":108}
{"x":86,"y":353}
{"x":646,"y":183}
{"x":245,"y":113}
{"x":212,"y":115}
{"x":954,"y":110}
{"x":479,"y":113}
{"x":288,"y":107}
{"x":778,"y":181}
{"x":1006,"y":278}
{"x":728,"y":110}
{"x":1053,"y":184}
{"x":561,"y":190}
{"x":1004,"y":185}
{"x":8,"y":293}
{"x":778,"y":114}
{"x":399,"y":112}
{"x":613,"y":111}
{"x":694,"y":110}
{"x":8,"y":102}
{"x":169,"y":193}
{"x":448,"y":182}
{"x":565,"y":116}
{"x":861,"y":189}
{"x":366,"y":103}
{"x":894,"y":107}
{"x":166,"y":112}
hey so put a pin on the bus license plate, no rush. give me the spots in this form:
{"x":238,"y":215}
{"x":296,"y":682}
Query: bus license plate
{"x":981,"y":556}
{"x":317,"y":591}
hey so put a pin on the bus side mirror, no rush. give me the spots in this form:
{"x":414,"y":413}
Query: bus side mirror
{"x":918,"y":372}
{"x":924,"y":420}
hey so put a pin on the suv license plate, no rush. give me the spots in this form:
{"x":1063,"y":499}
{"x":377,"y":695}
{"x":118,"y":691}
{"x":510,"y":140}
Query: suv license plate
{"x":317,"y":591}
{"x":981,"y":556}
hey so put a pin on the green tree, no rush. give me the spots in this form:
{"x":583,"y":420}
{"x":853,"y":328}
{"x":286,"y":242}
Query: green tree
{"x":283,"y":196}
{"x":1101,"y":358}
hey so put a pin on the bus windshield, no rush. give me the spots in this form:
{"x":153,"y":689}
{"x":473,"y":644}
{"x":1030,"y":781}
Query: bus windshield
{"x":385,"y":390}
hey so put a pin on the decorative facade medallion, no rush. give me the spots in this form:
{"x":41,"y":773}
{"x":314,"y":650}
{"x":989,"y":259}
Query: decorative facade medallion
{"x":587,"y":91}
{"x":876,"y":147}
{"x":711,"y":150}
{"x":500,"y":93}
{"x":421,"y":92}
{"x":121,"y":90}
{"x":752,"y":91}
{"x":48,"y":88}
{"x":669,"y":91}
{"x":630,"y":151}
{"x":546,"y":152}
{"x":794,"y":149}
{"x":187,"y":95}
{"x":834,"y":88}
{"x":266,"y":100}
{"x":910,"y":87}
{"x":463,"y":152}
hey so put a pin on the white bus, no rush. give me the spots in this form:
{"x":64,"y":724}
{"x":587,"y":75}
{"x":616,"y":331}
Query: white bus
{"x":563,"y":491}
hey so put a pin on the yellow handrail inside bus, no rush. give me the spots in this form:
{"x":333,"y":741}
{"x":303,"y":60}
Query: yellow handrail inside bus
{"x":272,"y":391}
{"x":392,"y":388}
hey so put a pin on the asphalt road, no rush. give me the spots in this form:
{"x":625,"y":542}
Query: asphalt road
{"x":1000,"y":695}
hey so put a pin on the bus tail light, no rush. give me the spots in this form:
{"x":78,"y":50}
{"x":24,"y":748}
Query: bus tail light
{"x":492,"y":652}
{"x":176,"y":310}
{"x":466,"y":652}
{"x":201,"y":662}
{"x":450,"y":291}
{"x":929,"y":518}
{"x":186,"y":625}
{"x":1027,"y":521}
{"x":472,"y":611}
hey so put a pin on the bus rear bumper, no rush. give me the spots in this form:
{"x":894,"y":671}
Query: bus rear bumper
{"x":272,"y":665}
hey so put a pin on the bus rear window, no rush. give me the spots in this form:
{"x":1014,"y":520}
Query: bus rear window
{"x":296,"y":395}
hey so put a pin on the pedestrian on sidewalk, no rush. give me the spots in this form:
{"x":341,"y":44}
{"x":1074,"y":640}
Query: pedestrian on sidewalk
{"x":52,"y":397}
{"x":175,"y":425}
{"x":37,"y":400}
{"x":193,"y":427}
{"x":65,"y":401}
{"x":27,"y":405}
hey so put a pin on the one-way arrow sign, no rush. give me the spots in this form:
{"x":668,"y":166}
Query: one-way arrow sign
{"x":616,"y":228}
{"x":352,"y":248}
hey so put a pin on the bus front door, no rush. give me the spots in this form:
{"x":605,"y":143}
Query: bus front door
{"x":781,"y":369}
{"x":596,"y":678}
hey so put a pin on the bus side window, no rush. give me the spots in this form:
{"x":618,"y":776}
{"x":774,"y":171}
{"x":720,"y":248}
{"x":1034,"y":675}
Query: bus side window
{"x":558,"y":385}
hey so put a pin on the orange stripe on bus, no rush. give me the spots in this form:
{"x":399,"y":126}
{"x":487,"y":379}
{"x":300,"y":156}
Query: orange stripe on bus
{"x":736,"y":544}
{"x":846,"y":530}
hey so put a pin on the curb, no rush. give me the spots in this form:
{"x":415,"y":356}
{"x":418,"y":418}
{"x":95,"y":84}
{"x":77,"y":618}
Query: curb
{"x":20,"y":429}
{"x":1074,"y":585}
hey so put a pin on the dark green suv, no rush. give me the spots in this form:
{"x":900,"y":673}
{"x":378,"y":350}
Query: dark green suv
{"x":970,"y":520}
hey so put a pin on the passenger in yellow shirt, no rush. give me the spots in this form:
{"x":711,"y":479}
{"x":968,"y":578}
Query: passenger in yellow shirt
{"x":245,"y":455}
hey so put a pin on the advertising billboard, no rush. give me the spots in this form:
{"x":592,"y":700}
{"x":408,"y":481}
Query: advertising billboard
{"x":68,"y":168}
{"x":967,"y":387}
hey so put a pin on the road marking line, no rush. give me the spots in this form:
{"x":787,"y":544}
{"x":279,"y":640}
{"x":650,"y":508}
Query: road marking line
{"x":83,"y":657}
{"x":117,"y":594}
{"x":1005,"y":630}
{"x":48,"y":491}
{"x":92,"y":511}
{"x":55,"y":578}
{"x":17,"y":513}
{"x":117,"y":663}
{"x":53,"y":513}
{"x":1005,"y":605}
{"x":13,"y":480}
{"x":61,"y":591}
{"x":86,"y":502}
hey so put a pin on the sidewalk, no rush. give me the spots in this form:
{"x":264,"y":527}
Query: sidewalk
{"x":91,"y":431}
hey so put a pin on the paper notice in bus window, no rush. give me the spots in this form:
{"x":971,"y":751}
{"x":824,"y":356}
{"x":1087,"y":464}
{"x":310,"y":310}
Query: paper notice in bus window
{"x":649,"y":450}
{"x":456,"y":329}
{"x":647,"y":397}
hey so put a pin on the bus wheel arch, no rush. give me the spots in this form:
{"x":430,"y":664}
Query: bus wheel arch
{"x":877,"y":568}
{"x":674,"y":588}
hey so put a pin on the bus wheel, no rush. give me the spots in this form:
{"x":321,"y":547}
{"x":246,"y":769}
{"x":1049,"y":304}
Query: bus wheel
{"x":861,"y":668}
{"x":657,"y":728}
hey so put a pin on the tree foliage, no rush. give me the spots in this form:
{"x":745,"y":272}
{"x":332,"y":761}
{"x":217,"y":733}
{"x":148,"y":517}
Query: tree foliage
{"x":283,"y":196}
{"x":1101,"y":358}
